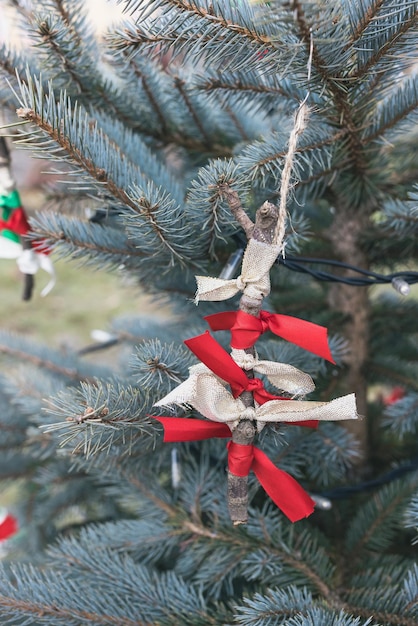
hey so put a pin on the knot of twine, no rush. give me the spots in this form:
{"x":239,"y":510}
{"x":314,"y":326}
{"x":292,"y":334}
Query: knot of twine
{"x":243,"y":359}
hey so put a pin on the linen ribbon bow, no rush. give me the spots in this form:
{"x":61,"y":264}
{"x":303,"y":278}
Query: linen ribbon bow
{"x":246,"y":329}
{"x":254,"y":280}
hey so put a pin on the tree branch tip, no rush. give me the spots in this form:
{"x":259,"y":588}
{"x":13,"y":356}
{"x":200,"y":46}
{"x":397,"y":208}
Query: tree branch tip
{"x":25,"y":113}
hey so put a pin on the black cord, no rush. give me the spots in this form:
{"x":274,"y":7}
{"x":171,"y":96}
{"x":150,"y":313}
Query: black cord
{"x":95,"y":347}
{"x":365,"y":278}
{"x":339,"y":493}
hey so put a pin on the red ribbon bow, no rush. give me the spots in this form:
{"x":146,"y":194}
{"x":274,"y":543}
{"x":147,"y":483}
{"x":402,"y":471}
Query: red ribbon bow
{"x":208,"y":350}
{"x":17,"y":222}
{"x":246,"y":329}
{"x":284,"y":490}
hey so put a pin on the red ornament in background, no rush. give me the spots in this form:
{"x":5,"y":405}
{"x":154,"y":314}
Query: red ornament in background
{"x":8,"y":526}
{"x":396,"y":394}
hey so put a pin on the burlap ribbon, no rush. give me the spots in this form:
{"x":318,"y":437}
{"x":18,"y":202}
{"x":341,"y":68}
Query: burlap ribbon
{"x":284,"y":490}
{"x":283,"y":376}
{"x":254,"y":279}
{"x":246,"y":329}
{"x":205,"y":393}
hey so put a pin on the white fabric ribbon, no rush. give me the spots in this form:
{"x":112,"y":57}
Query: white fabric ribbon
{"x":28,"y":261}
{"x":9,"y":249}
{"x":254,"y":280}
{"x":284,"y":377}
{"x":204,"y":392}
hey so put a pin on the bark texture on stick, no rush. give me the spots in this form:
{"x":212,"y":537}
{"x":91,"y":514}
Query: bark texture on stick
{"x":263,"y":231}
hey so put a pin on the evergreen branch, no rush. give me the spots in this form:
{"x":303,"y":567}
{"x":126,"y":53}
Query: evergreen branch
{"x":63,"y":11}
{"x":401,"y":418}
{"x":389,"y":373}
{"x":394,"y":109}
{"x":404,"y":25}
{"x":382,"y":617}
{"x":323,"y":174}
{"x":339,"y":95}
{"x":11,"y":346}
{"x":240,"y":83}
{"x":90,"y":149}
{"x":38,"y":610}
{"x":365,"y":18}
{"x":99,"y":244}
{"x":274,"y":604}
{"x":245,"y":541}
{"x":9,"y":62}
{"x":160,"y":365}
{"x":196,"y":530}
{"x":158,"y":597}
{"x":263,"y":159}
{"x":51,"y":36}
{"x":301,"y":149}
{"x":238,"y":125}
{"x":213,"y":220}
{"x":99,"y":174}
{"x":72,"y":61}
{"x":375,"y":524}
{"x":193,"y":9}
{"x":179,"y":83}
{"x":173,"y":126}
{"x":100,"y":416}
{"x":198,"y":31}
{"x":150,"y":95}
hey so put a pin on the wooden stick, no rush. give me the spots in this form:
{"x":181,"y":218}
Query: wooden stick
{"x":263,"y":231}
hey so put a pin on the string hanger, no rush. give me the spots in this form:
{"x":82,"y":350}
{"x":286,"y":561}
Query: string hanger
{"x":299,"y":125}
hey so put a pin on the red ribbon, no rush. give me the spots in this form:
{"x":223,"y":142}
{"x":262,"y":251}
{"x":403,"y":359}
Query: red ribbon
{"x":187,"y":429}
{"x":17,"y":222}
{"x":284,"y":490}
{"x":8,"y":527}
{"x":246,"y":329}
{"x":208,"y":350}
{"x":223,"y":365}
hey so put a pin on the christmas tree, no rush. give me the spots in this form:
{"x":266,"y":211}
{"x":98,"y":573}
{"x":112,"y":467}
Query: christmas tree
{"x":193,"y":128}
